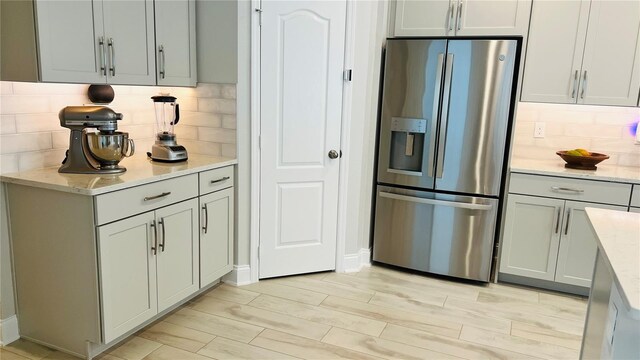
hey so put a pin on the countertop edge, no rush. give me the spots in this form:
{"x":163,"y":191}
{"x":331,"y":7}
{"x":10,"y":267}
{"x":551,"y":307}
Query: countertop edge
{"x":554,"y":167}
{"x":590,"y":177}
{"x":634,"y":311}
{"x":8,"y":178}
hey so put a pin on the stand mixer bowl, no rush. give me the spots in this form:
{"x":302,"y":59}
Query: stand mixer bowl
{"x":110,"y":148}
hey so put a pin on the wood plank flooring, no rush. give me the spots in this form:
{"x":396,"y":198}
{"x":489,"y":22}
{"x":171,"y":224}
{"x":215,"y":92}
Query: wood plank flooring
{"x":377,"y":313}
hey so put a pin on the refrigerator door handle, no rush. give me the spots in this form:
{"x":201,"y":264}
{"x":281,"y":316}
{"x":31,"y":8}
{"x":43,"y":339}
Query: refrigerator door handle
{"x":484,"y":207}
{"x":434,"y":116}
{"x":444,"y":115}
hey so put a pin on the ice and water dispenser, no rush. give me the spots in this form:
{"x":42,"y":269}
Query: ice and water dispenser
{"x":407,"y":145}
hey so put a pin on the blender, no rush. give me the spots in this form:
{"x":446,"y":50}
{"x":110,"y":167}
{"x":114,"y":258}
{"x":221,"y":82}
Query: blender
{"x":165,"y":148}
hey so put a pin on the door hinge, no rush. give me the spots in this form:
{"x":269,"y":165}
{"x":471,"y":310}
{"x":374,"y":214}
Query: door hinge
{"x":259,"y":11}
{"x":258,"y":252}
{"x":347,"y":75}
{"x":259,"y":141}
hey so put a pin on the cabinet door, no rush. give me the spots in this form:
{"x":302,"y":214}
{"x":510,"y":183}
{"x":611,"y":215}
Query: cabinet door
{"x":531,"y":236}
{"x":425,"y":17}
{"x":493,"y":17}
{"x":554,"y":51}
{"x":216,"y":236}
{"x":611,"y":65}
{"x":69,"y":34}
{"x":578,"y":247}
{"x":127,"y":274}
{"x":178,"y":252}
{"x":128,"y":29}
{"x":176,"y":42}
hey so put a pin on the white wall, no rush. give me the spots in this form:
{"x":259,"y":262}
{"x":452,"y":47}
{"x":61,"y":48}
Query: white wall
{"x":603,"y":129}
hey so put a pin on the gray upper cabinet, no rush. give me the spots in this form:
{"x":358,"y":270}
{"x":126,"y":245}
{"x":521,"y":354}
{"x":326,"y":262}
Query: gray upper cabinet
{"x":100,"y":42}
{"x":583,"y":52}
{"x":68,"y":37}
{"x":129,"y":37}
{"x":176,"y":42}
{"x":461,"y":17}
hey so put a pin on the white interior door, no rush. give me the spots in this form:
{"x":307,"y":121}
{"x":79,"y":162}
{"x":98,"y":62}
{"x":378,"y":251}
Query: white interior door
{"x":301,"y":67}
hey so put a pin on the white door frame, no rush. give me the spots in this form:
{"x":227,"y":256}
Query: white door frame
{"x":255,"y":138}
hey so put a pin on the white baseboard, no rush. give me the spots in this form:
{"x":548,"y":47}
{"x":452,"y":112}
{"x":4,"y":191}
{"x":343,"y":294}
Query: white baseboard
{"x":9,"y":330}
{"x":355,"y":262}
{"x":240,"y":275}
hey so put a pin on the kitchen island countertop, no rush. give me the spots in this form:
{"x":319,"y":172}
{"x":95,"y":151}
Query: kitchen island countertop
{"x":618,"y":235}
{"x":555,"y":167}
{"x":140,"y":171}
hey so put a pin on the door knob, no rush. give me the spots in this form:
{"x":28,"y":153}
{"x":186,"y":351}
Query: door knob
{"x":333,"y":154}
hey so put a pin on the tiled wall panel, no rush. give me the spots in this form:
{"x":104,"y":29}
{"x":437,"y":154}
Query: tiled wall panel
{"x":31,"y":136}
{"x":603,"y":129}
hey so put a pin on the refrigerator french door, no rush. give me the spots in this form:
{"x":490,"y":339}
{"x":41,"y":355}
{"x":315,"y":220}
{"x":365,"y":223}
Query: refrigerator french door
{"x":443,"y":133}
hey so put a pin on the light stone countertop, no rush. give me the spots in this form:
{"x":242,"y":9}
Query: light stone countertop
{"x":140,"y":171}
{"x":553,"y":167}
{"x":618,"y":235}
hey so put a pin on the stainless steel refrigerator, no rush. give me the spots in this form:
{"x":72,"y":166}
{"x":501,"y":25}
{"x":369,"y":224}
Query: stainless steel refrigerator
{"x":442,"y":139}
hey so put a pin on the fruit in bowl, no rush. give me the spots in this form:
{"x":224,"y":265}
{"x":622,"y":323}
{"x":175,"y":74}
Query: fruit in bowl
{"x":581,"y":159}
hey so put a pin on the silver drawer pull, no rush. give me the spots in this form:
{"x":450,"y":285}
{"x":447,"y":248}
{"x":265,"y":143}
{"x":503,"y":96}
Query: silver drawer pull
{"x":436,"y":202}
{"x":220,"y":180}
{"x":147,"y":198}
{"x":559,"y":189}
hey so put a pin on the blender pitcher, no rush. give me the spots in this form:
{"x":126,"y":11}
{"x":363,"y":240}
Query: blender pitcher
{"x":167,"y":113}
{"x":167,"y":116}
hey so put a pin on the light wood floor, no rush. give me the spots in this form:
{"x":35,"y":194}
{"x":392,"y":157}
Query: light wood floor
{"x":376,"y":313}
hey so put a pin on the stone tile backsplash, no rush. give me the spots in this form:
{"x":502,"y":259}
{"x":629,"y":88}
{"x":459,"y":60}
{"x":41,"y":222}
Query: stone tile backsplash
{"x":31,"y":136}
{"x":603,"y":129}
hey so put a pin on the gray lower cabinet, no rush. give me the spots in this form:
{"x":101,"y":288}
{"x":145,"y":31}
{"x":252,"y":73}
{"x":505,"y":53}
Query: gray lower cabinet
{"x":547,"y":235}
{"x":531,"y":237}
{"x":127,"y":274}
{"x":578,"y":246}
{"x":148,"y":263}
{"x":216,"y":235}
{"x":101,"y":267}
{"x":549,"y":239}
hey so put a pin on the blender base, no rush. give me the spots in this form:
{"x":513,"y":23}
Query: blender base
{"x":168,"y":153}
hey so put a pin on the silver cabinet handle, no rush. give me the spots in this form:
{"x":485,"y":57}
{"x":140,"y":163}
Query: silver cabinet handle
{"x":103,"y":59}
{"x":584,"y":85}
{"x":206,"y":218}
{"x":460,"y":15}
{"x":436,"y":202}
{"x":560,"y":189}
{"x":112,"y":56}
{"x":333,"y":154}
{"x":220,"y":180}
{"x":147,"y":198}
{"x":575,"y":85}
{"x":154,"y":248}
{"x":566,"y":227}
{"x":436,"y":104}
{"x":162,"y":62}
{"x":444,"y":115}
{"x":164,"y":236}
{"x":558,"y":220}
{"x":451,"y":14}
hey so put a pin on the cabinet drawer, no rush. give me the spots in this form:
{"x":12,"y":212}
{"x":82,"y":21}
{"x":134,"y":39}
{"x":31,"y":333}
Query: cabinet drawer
{"x":124,"y":203}
{"x":216,"y":179}
{"x":570,"y":189}
{"x":635,"y":197}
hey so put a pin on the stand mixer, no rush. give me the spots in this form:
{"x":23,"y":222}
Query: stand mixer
{"x":94,"y":153}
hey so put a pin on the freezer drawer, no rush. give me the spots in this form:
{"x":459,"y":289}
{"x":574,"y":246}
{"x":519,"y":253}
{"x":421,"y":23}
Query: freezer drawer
{"x":437,"y":233}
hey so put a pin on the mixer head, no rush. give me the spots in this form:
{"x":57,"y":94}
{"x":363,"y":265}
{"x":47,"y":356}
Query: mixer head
{"x":80,"y":117}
